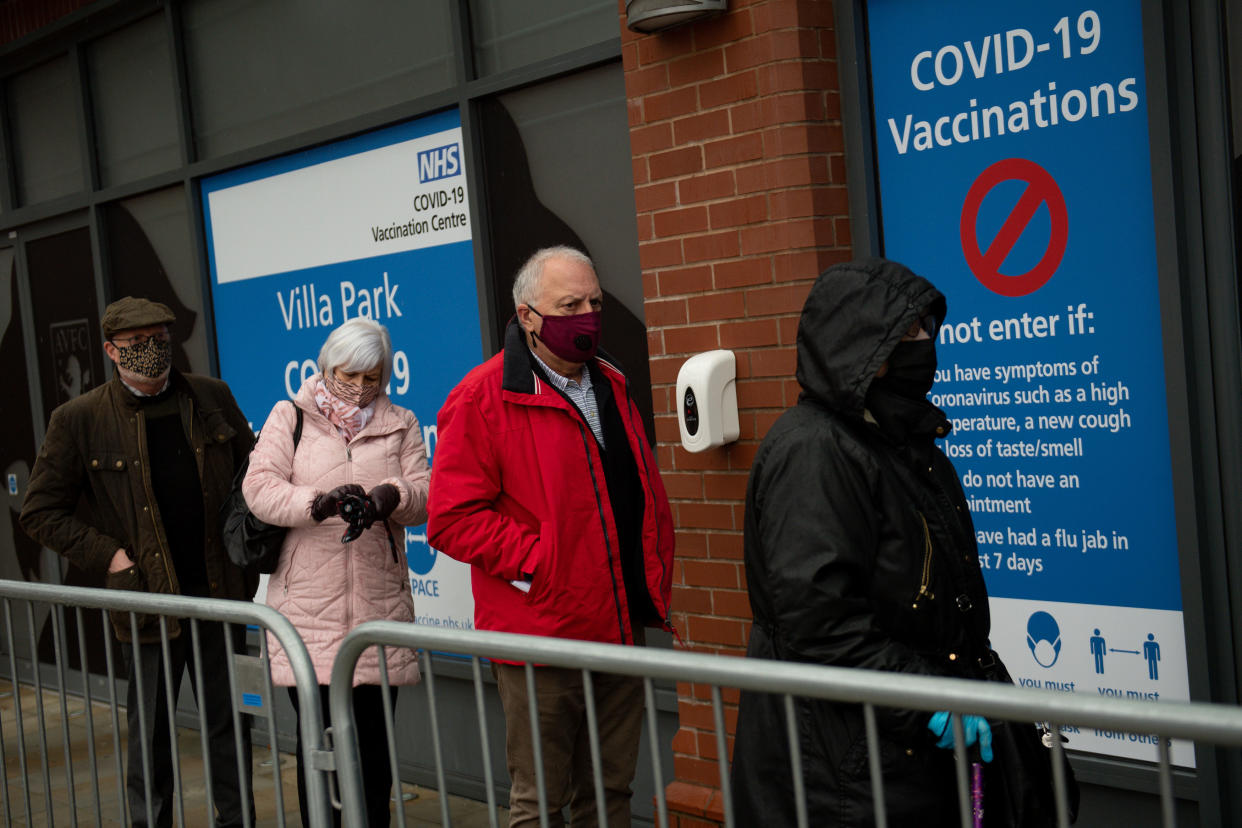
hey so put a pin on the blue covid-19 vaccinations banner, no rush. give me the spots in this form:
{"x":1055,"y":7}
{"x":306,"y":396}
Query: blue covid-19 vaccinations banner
{"x":375,"y":226}
{"x":1014,"y":172}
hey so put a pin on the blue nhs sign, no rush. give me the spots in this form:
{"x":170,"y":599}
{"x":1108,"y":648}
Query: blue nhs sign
{"x":439,"y":162}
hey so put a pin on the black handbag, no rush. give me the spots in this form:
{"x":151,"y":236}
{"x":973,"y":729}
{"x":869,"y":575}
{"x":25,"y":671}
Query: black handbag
{"x":1018,"y":786}
{"x":251,"y":543}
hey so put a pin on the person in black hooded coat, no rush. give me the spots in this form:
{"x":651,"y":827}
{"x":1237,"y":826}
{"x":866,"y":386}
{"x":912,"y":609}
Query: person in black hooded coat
{"x":860,"y":552}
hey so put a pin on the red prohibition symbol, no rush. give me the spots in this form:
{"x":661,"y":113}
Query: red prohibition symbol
{"x":1041,"y":189}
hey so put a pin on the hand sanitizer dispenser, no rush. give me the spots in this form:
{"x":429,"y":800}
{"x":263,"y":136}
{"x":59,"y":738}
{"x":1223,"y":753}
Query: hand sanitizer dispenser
{"x":707,"y":400}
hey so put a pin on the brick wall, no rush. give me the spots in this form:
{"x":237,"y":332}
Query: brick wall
{"x":739,"y":176}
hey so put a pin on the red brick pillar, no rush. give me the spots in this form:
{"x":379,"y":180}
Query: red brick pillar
{"x":739,"y":176}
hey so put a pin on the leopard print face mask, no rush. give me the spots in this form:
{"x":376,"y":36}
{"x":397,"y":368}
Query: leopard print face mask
{"x":359,"y":395}
{"x":149,"y":359}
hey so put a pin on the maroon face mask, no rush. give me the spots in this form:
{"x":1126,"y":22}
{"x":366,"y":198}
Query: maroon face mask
{"x":572,"y":338}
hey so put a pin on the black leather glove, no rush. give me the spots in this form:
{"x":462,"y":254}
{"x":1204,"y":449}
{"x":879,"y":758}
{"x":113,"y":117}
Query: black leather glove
{"x":326,"y":505}
{"x":358,"y":511}
{"x":385,"y":497}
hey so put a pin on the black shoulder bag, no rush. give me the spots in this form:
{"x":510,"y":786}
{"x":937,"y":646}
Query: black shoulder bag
{"x":1018,"y":782}
{"x":1018,"y":787}
{"x":250,"y":542}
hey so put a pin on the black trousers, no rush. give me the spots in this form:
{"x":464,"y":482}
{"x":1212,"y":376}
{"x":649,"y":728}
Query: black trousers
{"x":214,"y":698}
{"x":372,"y":749}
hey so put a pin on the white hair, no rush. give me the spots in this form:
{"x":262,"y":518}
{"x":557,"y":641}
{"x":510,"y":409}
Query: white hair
{"x":359,"y":344}
{"x":528,"y":280}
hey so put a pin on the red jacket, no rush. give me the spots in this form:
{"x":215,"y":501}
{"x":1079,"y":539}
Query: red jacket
{"x":518,"y":487}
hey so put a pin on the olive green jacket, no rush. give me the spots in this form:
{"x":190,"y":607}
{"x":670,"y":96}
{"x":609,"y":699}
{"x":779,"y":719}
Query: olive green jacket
{"x":90,"y":491}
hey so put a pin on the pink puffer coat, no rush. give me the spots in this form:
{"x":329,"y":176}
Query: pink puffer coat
{"x":324,"y":587}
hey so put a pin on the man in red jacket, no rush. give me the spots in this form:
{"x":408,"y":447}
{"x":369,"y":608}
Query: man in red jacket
{"x":544,"y":482}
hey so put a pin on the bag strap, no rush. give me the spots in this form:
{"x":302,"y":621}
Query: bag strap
{"x":297,"y":429}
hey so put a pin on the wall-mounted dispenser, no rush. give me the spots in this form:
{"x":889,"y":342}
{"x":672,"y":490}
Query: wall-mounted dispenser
{"x":707,"y":400}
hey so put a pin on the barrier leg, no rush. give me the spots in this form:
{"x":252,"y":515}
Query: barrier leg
{"x":90,"y":715}
{"x":277,"y":781}
{"x":481,"y":714}
{"x":114,"y":718}
{"x":136,"y":709}
{"x":722,"y":754}
{"x":597,"y":773}
{"x":653,"y":739}
{"x":795,"y":761}
{"x":38,"y":686}
{"x":170,"y":705}
{"x":390,"y":733}
{"x":58,"y":629}
{"x":17,"y":710}
{"x":429,"y":679}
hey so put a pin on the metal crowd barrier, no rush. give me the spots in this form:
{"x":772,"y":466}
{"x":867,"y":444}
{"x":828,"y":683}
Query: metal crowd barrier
{"x":54,"y":602}
{"x":1200,"y":722}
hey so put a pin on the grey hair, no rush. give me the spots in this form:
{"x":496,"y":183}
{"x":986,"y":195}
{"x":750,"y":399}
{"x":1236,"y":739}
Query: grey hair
{"x":526,"y":283}
{"x":358,"y":345}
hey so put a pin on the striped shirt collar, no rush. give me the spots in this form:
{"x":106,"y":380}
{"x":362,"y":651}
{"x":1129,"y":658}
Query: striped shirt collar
{"x":560,"y":381}
{"x":579,"y":392}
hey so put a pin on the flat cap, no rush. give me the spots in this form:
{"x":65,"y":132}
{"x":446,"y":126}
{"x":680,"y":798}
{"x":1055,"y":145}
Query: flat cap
{"x":133,"y":312}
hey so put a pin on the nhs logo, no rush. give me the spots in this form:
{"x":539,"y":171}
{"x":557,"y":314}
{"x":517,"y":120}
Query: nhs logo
{"x":440,"y":162}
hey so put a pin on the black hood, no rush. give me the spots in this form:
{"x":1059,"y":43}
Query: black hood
{"x":854,"y":316}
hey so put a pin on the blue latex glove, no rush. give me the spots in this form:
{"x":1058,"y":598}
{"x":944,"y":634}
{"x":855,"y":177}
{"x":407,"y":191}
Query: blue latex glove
{"x":974,"y":728}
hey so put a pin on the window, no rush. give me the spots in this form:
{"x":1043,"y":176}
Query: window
{"x":508,"y":35}
{"x":263,"y":71}
{"x":43,"y":110}
{"x":134,"y":103}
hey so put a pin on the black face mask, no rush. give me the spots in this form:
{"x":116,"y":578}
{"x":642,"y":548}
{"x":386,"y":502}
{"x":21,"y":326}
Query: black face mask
{"x":911,"y":369}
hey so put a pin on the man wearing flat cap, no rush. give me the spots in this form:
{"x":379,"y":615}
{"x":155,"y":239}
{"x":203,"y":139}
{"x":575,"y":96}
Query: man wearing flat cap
{"x":128,"y":485}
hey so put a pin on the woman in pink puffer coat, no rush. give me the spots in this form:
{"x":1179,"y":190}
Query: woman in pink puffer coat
{"x":356,"y":448}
